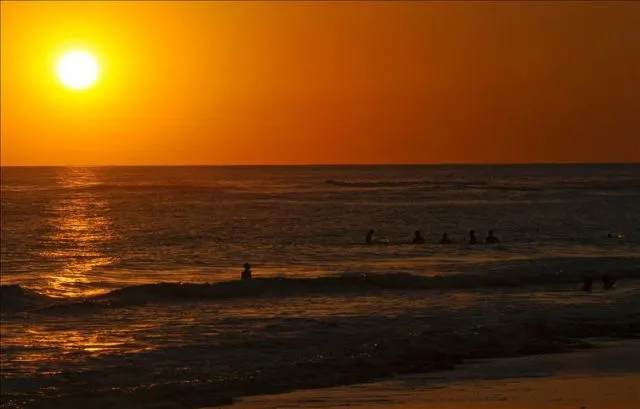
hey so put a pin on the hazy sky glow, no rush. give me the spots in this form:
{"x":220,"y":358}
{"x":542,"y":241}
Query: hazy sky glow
{"x":326,"y":82}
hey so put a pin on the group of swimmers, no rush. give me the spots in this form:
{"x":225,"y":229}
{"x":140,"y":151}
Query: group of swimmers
{"x":419,"y":239}
{"x":607,"y":282}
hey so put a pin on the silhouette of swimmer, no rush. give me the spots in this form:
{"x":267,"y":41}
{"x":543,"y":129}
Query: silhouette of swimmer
{"x":472,"y":237}
{"x":587,"y":283}
{"x":445,"y":239}
{"x":417,"y":238}
{"x":246,"y":273}
{"x":369,"y":238}
{"x":491,"y":239}
{"x":608,"y":281}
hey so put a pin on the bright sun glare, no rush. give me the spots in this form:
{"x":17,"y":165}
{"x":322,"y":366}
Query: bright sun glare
{"x":77,"y":69}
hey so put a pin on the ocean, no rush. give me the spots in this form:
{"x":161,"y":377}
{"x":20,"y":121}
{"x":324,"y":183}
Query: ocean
{"x":121,"y":285}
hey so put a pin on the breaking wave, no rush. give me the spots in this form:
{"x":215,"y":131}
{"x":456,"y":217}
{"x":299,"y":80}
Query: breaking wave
{"x":15,"y":297}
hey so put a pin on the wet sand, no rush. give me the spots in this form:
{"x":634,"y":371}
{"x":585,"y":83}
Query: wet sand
{"x":602,"y":378}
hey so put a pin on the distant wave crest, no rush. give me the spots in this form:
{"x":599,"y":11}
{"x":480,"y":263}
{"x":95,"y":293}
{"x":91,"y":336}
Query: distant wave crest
{"x":620,"y":185}
{"x":135,"y":188}
{"x":380,"y":184}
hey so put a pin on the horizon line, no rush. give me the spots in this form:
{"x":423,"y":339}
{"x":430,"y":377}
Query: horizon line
{"x":320,"y":164}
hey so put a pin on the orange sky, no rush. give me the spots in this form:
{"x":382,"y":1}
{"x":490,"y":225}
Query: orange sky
{"x":327,"y":82}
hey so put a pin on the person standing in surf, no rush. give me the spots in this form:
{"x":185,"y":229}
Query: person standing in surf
{"x":472,"y":237}
{"x":417,"y":238}
{"x":445,"y":239}
{"x":246,"y":273}
{"x":491,"y":239}
{"x":369,"y":238}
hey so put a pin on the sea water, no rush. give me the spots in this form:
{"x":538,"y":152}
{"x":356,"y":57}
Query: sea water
{"x":120,"y":285}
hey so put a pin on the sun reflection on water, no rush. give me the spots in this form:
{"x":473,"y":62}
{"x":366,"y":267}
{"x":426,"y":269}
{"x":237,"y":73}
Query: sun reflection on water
{"x":43,"y":347}
{"x":80,"y":230}
{"x":74,"y":340}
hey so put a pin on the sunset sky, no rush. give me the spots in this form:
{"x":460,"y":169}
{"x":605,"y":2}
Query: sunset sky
{"x":322,"y":82}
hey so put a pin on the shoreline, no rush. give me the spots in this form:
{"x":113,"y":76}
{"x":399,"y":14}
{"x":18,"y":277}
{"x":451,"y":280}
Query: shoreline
{"x":604,"y":377}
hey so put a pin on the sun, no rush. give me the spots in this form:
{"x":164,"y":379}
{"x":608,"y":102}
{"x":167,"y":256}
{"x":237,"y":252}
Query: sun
{"x":77,"y":69}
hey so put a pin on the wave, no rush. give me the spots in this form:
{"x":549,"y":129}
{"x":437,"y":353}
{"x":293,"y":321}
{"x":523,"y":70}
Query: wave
{"x":619,"y":185}
{"x":344,"y":283}
{"x":402,"y":183}
{"x":19,"y":298}
{"x":126,"y":188}
{"x":14,"y":297}
{"x":379,"y":184}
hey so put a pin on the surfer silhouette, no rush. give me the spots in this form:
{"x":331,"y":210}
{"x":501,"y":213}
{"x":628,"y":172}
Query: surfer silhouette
{"x":608,"y":281}
{"x":445,"y":239}
{"x":246,"y":273}
{"x":491,"y":239}
{"x":587,"y":283}
{"x":417,"y":238}
{"x":369,"y":238}
{"x":472,"y":237}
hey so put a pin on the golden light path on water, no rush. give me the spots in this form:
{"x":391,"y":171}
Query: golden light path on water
{"x":80,"y":229}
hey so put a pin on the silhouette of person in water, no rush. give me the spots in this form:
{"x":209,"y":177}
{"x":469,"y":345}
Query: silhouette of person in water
{"x":445,"y":239}
{"x":369,"y":238}
{"x":608,"y":281}
{"x":417,"y":238}
{"x":472,"y":237}
{"x":491,"y":239}
{"x":587,"y":283}
{"x":246,"y":273}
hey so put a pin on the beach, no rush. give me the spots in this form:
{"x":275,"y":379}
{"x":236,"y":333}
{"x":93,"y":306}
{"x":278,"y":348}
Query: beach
{"x":603,"y":378}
